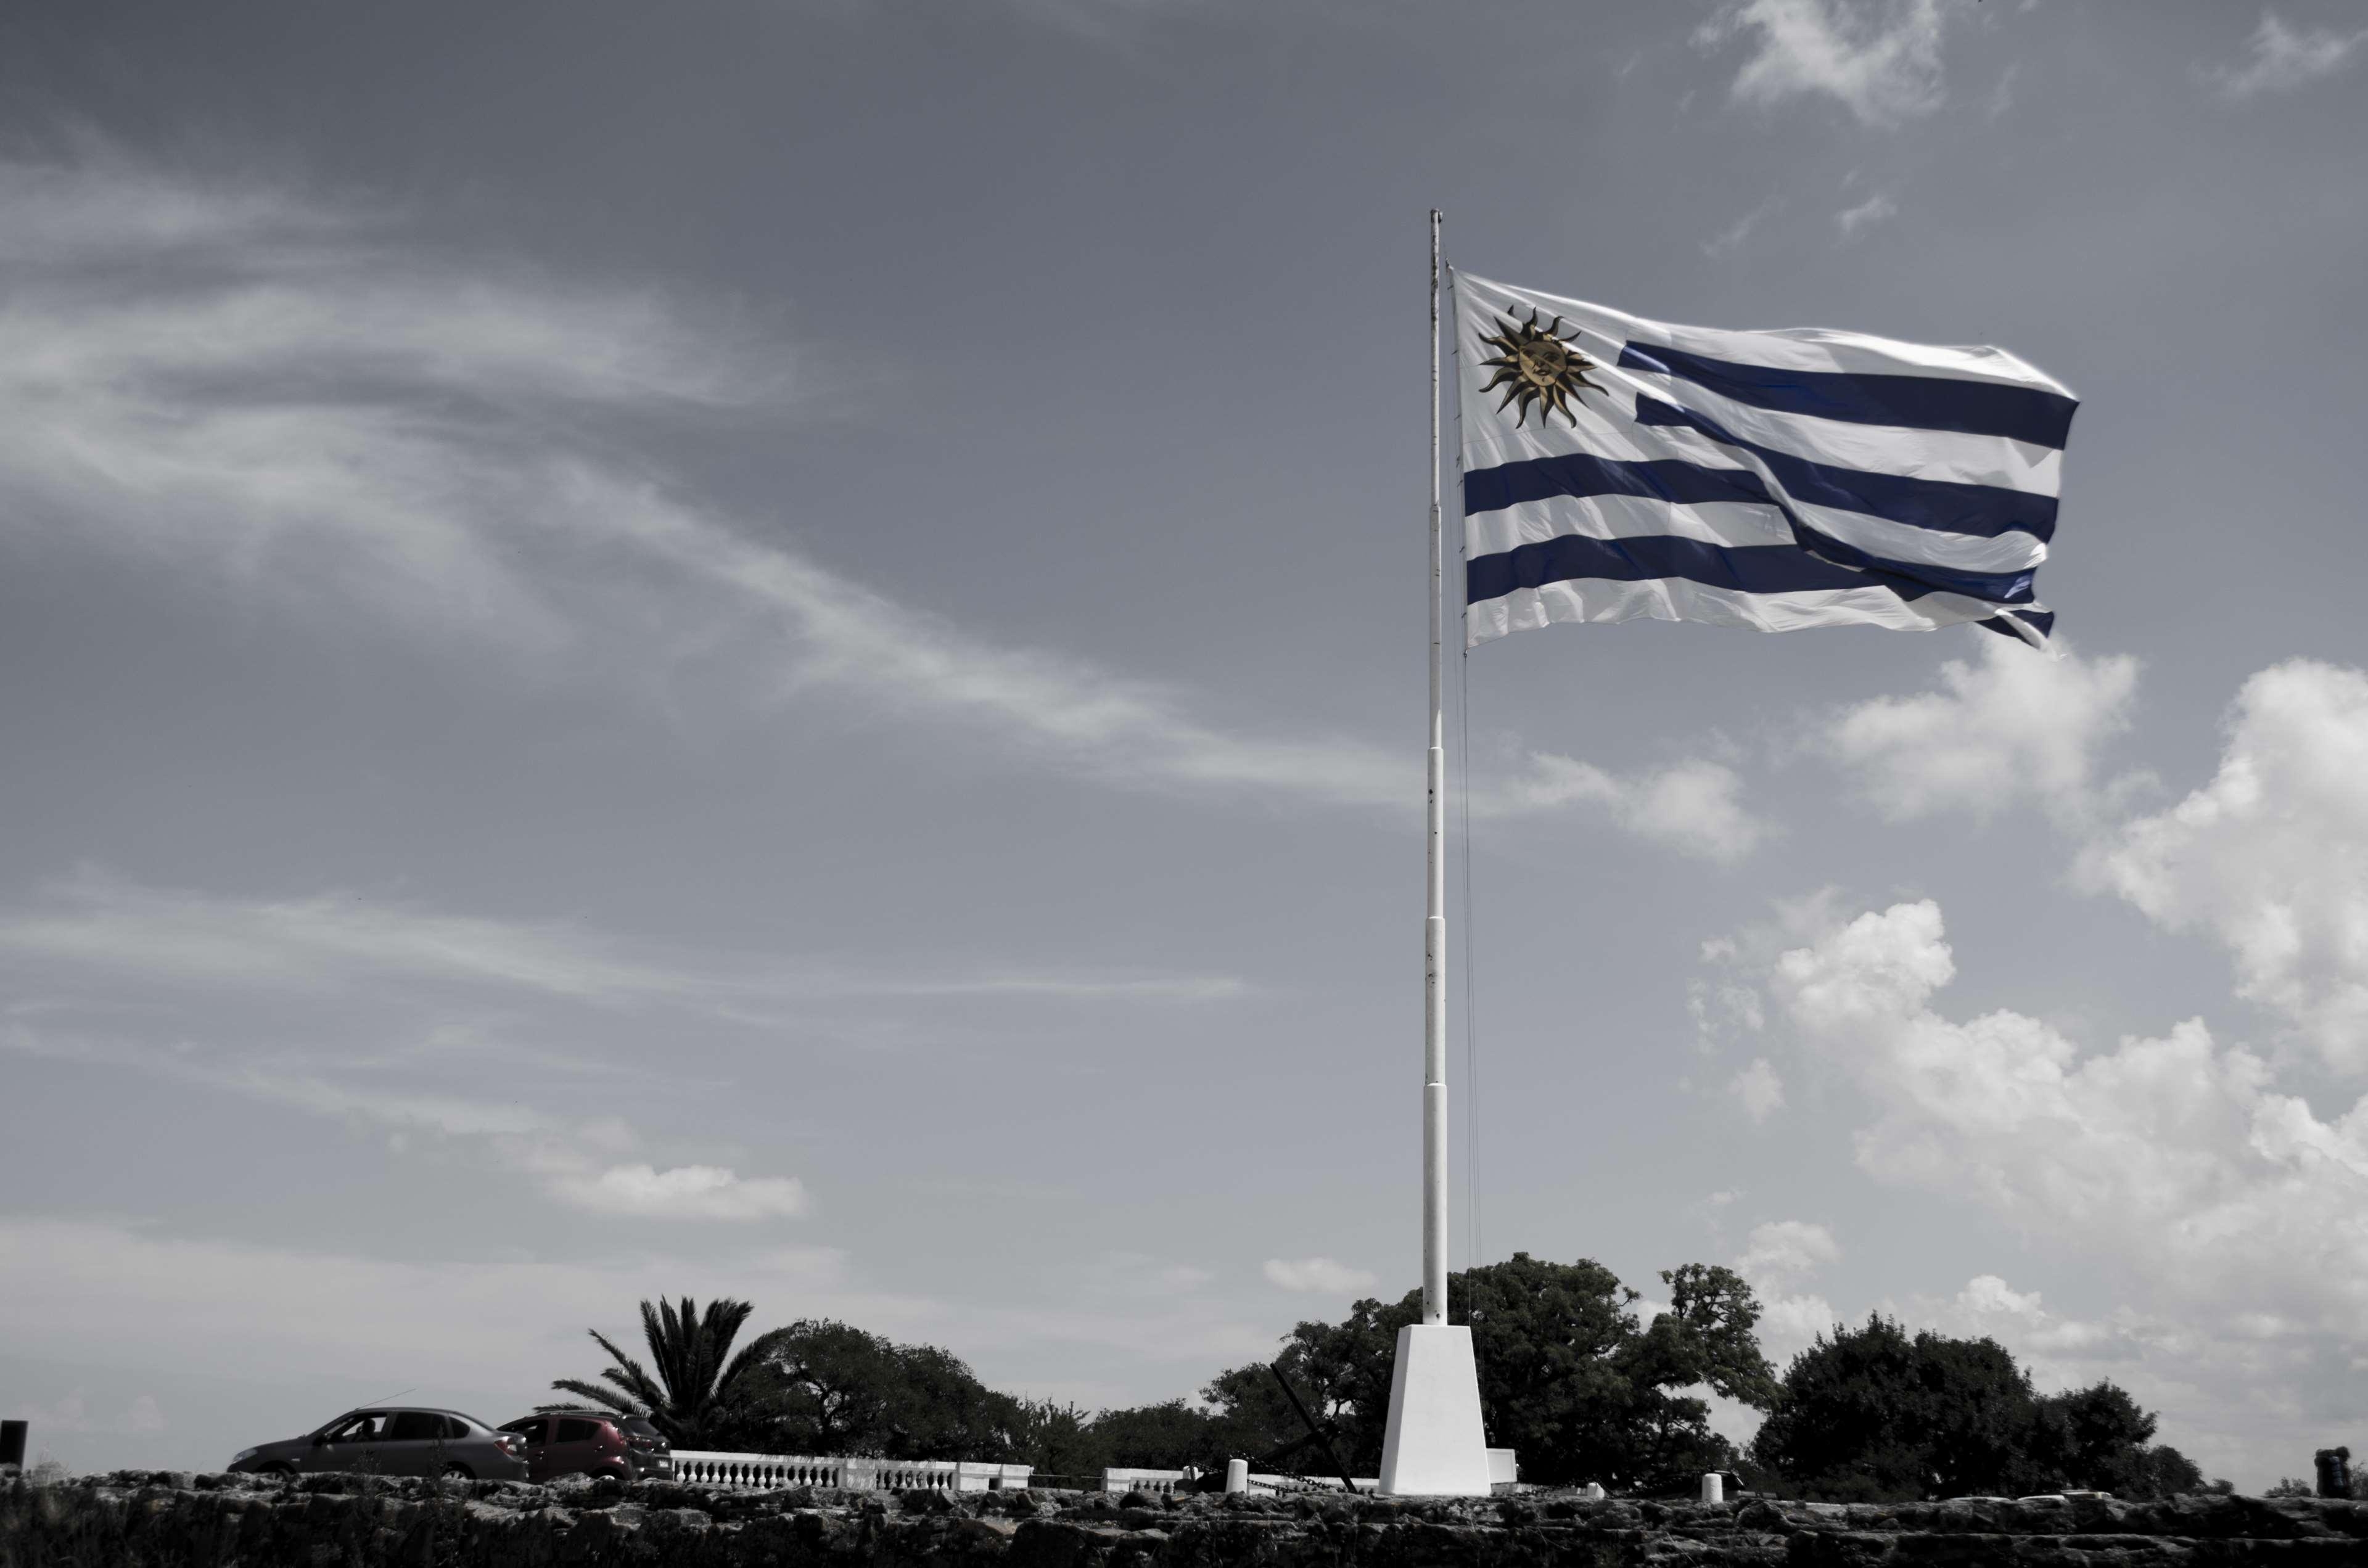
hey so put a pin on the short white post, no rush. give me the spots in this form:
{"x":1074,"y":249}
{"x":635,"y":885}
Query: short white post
{"x":1714,"y":1487}
{"x":1237,"y":1476}
{"x":1594,"y":1493}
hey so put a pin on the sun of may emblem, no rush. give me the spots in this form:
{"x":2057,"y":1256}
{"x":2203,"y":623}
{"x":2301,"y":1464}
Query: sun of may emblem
{"x":1538,"y":368}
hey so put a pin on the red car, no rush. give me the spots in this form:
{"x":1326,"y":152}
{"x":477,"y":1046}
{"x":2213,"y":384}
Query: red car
{"x":593,"y":1442}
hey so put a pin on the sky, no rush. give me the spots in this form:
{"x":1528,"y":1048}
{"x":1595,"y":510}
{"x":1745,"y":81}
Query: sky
{"x":776,"y":647}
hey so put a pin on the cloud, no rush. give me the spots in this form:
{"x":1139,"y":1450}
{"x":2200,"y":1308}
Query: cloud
{"x":1318,"y":1275}
{"x":2280,"y":59}
{"x":2271,"y":857}
{"x":1695,"y":806}
{"x":1758,"y":1089}
{"x":157,"y":1303}
{"x":285,"y":401}
{"x":1730,"y":239}
{"x":2002,"y":96}
{"x":563,"y":1156}
{"x":2230,"y":1209}
{"x":1779,"y":1259}
{"x":1865,"y":215}
{"x":1879,"y":58}
{"x":1783,"y":1252}
{"x":2008,"y":728}
{"x":685,"y":1192}
{"x":333,"y":941}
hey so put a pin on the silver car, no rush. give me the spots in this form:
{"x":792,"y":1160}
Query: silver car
{"x":395,"y":1442}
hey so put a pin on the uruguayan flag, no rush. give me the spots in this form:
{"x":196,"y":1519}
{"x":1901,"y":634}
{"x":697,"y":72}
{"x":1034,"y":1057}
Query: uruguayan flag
{"x":1615,"y":467}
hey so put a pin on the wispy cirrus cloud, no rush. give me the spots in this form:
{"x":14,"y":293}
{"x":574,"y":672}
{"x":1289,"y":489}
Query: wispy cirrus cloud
{"x":574,"y":1162}
{"x":1318,"y":1276}
{"x":327,"y":942}
{"x":285,"y":400}
{"x":2280,"y":58}
{"x":1696,"y":807}
{"x":1874,"y":210}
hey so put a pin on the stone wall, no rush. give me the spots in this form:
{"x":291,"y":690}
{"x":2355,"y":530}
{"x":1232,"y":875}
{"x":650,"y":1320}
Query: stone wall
{"x":137,"y":1520}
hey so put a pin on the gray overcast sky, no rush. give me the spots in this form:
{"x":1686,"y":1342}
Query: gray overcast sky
{"x":777,"y":648}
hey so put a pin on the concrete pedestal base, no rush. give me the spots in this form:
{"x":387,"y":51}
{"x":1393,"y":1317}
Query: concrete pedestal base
{"x":1435,"y":1447}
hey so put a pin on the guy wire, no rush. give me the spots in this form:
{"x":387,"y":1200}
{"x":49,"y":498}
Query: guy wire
{"x":1474,"y":1251}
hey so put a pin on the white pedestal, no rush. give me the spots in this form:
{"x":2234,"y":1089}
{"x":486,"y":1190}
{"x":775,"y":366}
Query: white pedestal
{"x":1435,"y":1447}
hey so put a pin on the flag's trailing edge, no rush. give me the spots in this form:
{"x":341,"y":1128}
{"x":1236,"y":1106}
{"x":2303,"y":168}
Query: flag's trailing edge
{"x":1615,"y":467}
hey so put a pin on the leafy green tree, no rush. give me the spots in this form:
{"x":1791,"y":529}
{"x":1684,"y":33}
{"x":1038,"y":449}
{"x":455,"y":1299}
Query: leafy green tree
{"x":2293,"y":1486}
{"x":697,"y":1379}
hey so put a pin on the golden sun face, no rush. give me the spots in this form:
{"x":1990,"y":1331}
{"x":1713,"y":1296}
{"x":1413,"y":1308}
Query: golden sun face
{"x":1538,"y":368}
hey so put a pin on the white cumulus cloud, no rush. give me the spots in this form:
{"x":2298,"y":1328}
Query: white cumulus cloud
{"x":2009,"y":727}
{"x":1784,"y":1253}
{"x":1758,"y":1089}
{"x":2232,"y":1210}
{"x":2271,"y":857}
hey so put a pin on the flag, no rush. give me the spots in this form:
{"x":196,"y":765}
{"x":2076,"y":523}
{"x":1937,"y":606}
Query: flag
{"x":1615,"y":467}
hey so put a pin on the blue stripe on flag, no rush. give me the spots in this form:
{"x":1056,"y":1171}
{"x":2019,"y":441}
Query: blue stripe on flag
{"x":1916,"y":402}
{"x":1751,"y":568}
{"x":1997,"y":587}
{"x":1576,"y":473}
{"x":1944,"y":506}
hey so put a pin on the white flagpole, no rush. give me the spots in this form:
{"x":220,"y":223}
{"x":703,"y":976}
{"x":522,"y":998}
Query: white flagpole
{"x":1435,"y":1442}
{"x":1434,"y":926}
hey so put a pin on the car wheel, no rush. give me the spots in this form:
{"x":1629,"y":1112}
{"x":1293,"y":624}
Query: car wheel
{"x":283,"y":1471}
{"x":458,"y":1472}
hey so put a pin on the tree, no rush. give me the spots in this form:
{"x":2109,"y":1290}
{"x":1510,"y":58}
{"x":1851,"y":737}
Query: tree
{"x":1870,"y":1414}
{"x":1843,"y":1426}
{"x":823,"y":1387}
{"x":697,"y":1376}
{"x":1058,"y":1440}
{"x":1567,"y":1374}
{"x":1160,"y":1437}
{"x":2293,"y":1486}
{"x":2167,"y":1472}
{"x":1705,"y":1338}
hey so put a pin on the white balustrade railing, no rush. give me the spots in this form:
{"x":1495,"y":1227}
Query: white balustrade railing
{"x":768,"y":1472}
{"x":1165,"y":1482}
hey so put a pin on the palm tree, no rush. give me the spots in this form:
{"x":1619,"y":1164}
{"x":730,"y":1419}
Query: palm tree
{"x":693,"y":1377}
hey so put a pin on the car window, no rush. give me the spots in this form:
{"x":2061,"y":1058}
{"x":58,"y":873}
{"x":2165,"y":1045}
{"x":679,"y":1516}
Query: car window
{"x":416,"y":1427}
{"x":455,"y":1427}
{"x":531,"y":1428}
{"x":640,"y":1428}
{"x":362,"y":1426}
{"x":572,"y":1431}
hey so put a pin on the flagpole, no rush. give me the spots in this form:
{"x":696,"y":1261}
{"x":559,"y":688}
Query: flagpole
{"x":1434,"y":926}
{"x":1435,"y":1443}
